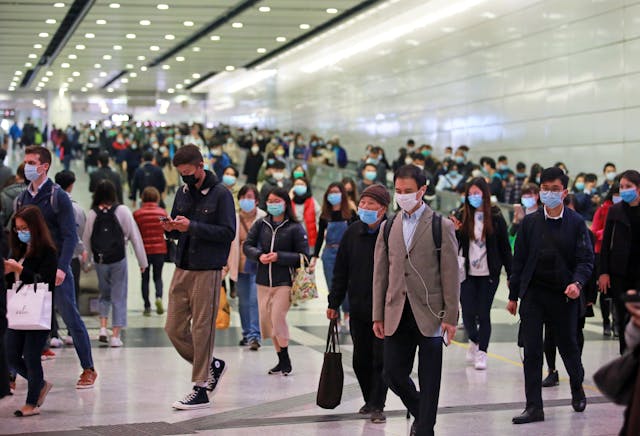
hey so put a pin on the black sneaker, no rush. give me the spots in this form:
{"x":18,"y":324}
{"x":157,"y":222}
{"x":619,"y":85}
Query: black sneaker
{"x":365,"y":410}
{"x":243,"y":342}
{"x":196,"y":399}
{"x":276,"y":369}
{"x":254,"y":345}
{"x":216,"y":371}
{"x":551,"y":380}
{"x":378,"y":416}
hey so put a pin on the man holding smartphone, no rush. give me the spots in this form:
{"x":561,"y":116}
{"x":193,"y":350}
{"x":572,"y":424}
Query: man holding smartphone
{"x":203,"y":220}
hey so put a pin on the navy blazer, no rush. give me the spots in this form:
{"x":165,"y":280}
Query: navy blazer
{"x":576,"y":245}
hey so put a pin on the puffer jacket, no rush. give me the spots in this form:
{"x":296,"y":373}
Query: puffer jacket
{"x":287,"y":238}
{"x":148,"y":220}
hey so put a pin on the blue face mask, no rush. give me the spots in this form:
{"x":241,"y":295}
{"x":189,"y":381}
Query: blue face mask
{"x":628,"y":195}
{"x":31,"y":172}
{"x":453,"y":173}
{"x":247,"y":204}
{"x":475,"y":200}
{"x":579,"y":186}
{"x":504,"y":167}
{"x":368,"y":216}
{"x":334,"y":198}
{"x":275,"y":209}
{"x":370,"y":175}
{"x":24,"y":236}
{"x":528,"y":202}
{"x":228,"y":180}
{"x":521,"y":175}
{"x":616,"y":199}
{"x":459,"y":159}
{"x":462,"y":199}
{"x":551,"y":199}
{"x":300,"y":190}
{"x":271,"y":161}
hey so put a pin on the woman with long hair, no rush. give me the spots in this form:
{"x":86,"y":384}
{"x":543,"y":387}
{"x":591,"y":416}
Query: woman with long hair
{"x":351,"y":188}
{"x":305,"y":208}
{"x":33,"y":260}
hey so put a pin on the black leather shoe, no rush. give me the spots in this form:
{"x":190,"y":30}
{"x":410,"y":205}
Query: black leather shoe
{"x":529,"y":415}
{"x":551,"y":380}
{"x":578,"y":399}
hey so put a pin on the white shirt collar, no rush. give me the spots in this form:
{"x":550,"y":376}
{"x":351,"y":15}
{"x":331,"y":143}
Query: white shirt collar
{"x":547,"y":217}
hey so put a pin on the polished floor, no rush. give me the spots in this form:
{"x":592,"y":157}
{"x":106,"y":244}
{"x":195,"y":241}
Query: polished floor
{"x":138,"y":383}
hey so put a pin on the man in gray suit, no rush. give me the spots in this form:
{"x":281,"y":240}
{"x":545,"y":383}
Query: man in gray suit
{"x":415,"y":298}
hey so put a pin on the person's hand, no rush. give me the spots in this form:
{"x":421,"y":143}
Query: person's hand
{"x":633,"y":308}
{"x":378,"y":329}
{"x":332,"y":314}
{"x":167,"y":225}
{"x":274,"y":256}
{"x":604,"y":283}
{"x":142,"y":270}
{"x":12,"y":265}
{"x":450,"y":329}
{"x":84,"y":256}
{"x":572,"y":291}
{"x":456,"y":222}
{"x":512,"y":307}
{"x":181,"y":224}
{"x":312,"y":264}
{"x":264,"y":259}
{"x":60,"y":276}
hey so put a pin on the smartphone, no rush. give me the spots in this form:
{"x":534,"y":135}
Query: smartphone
{"x":445,"y":338}
{"x":631,"y":298}
{"x":164,"y":219}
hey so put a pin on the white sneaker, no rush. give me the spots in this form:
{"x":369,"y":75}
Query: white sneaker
{"x":55,"y":343}
{"x":115,"y":342}
{"x":481,"y":360}
{"x":68,"y":340}
{"x":103,"y":336}
{"x":472,"y":351}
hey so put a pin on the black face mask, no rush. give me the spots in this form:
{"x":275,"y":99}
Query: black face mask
{"x":191,"y":180}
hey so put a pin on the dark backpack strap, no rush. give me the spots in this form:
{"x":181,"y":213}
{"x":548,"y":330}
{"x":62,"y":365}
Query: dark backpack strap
{"x":387,"y":231}
{"x":436,"y":229}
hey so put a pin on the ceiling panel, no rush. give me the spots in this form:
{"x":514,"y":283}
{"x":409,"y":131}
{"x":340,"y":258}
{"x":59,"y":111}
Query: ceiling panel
{"x":100,"y":50}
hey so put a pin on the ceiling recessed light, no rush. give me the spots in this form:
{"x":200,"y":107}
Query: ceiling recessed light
{"x":45,"y":79}
{"x":49,"y":73}
{"x":38,"y":89}
{"x":32,"y":56}
{"x":13,"y":84}
{"x":188,"y":23}
{"x":171,"y":90}
{"x":141,"y":58}
{"x":154,"y":48}
{"x":124,"y":80}
{"x":229,"y":68}
{"x":70,"y":79}
{"x":89,"y":85}
{"x":305,"y":26}
{"x":117,"y":47}
{"x":72,"y":56}
{"x":80,"y":47}
{"x":133,"y":74}
{"x":195,"y":75}
{"x":332,"y":11}
{"x":40,"y":85}
{"x":97,"y":66}
{"x":145,"y":22}
{"x":179,"y":86}
{"x":264,"y":9}
{"x":215,"y":38}
{"x":143,"y":68}
{"x":58,"y":5}
{"x":130,"y":36}
{"x":196,"y":49}
{"x":109,"y":89}
{"x":169,"y":37}
{"x":64,"y":65}
{"x":75,"y":74}
{"x":18,"y":73}
{"x":114,"y":5}
{"x":261,"y":50}
{"x":102,"y":74}
{"x":106,"y":57}
{"x":89,"y":35}
{"x":281,"y":39}
{"x":187,"y":81}
{"x":101,"y":22}
{"x":11,"y":88}
{"x":163,"y":7}
{"x":128,"y":66}
{"x":237,"y":25}
{"x":43,"y":35}
{"x":28,"y":64}
{"x":83,"y":89}
{"x":179,"y":58}
{"x":37,"y":45}
{"x":50,"y":21}
{"x":166,"y":67}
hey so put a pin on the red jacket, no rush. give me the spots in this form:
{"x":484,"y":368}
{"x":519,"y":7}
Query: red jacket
{"x":597,"y":225}
{"x":148,"y":220}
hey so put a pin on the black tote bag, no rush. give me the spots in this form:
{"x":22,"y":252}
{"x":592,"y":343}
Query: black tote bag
{"x":332,"y":375}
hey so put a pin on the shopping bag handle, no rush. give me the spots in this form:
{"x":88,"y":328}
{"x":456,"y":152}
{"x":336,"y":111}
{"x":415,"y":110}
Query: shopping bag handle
{"x":36,"y":280}
{"x":333,"y":342}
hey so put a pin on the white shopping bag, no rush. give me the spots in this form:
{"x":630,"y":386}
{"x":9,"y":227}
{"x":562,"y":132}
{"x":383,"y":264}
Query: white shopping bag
{"x":29,"y":306}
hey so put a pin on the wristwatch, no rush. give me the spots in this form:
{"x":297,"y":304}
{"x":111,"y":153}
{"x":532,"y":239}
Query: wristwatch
{"x":578,"y":284}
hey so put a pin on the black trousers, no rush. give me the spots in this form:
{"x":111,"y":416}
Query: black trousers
{"x":157,"y":262}
{"x":540,"y":306}
{"x":399,"y":354}
{"x":550,"y":342}
{"x":368,"y":353}
{"x":619,"y":287}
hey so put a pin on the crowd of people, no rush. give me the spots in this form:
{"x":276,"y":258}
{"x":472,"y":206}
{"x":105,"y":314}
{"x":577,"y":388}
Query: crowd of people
{"x":397,"y":277}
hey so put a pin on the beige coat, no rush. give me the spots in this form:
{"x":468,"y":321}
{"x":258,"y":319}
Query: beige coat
{"x":395,"y":279}
{"x":233,"y":261}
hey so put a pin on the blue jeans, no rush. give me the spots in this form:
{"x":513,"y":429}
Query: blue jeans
{"x":23,"y":352}
{"x":64,"y":298}
{"x":328,"y":263}
{"x":248,"y":306}
{"x":112,"y":281}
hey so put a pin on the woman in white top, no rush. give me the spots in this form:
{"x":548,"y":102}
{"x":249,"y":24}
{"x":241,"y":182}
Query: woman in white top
{"x":450,"y":180}
{"x":109,"y":226}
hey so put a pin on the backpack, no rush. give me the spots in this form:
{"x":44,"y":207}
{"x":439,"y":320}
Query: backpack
{"x":107,"y":238}
{"x":436,"y":230}
{"x":55,"y":188}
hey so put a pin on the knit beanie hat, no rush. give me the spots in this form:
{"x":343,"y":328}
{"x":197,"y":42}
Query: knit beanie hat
{"x":379,"y":193}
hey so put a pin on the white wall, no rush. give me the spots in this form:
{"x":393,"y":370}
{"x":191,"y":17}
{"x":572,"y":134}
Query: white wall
{"x":537,"y":80}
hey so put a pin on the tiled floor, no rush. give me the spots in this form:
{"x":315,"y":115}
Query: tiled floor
{"x":138,"y":383}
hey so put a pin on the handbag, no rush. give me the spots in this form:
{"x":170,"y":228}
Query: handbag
{"x":29,"y":306}
{"x":617,"y":379}
{"x":223,"y":317}
{"x":172,"y":250}
{"x":332,"y":375}
{"x":304,"y":284}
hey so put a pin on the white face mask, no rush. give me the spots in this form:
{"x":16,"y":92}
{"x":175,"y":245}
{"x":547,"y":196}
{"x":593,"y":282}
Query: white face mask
{"x":408,"y":202}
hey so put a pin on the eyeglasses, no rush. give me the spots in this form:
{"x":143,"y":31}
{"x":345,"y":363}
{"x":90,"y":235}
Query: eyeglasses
{"x":551,"y":189}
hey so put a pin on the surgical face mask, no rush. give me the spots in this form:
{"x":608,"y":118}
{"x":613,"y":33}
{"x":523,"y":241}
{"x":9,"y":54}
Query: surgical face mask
{"x":275,"y":209}
{"x":579,"y":186}
{"x":551,"y":199}
{"x":278,"y":175}
{"x":407,"y":202}
{"x":155,"y":145}
{"x":228,"y":180}
{"x":528,"y":202}
{"x":408,"y":161}
{"x":628,"y":195}
{"x":372,"y":161}
{"x":300,"y":190}
{"x":334,"y":198}
{"x":504,"y":167}
{"x":271,"y":161}
{"x":521,"y":175}
{"x":370,"y":175}
{"x":216,"y":152}
{"x":368,"y":216}
{"x":476,"y":173}
{"x":616,"y":199}
{"x":247,"y":204}
{"x":475,"y":200}
{"x":24,"y":236}
{"x":298,"y":174}
{"x":31,"y":172}
{"x":426,"y":153}
{"x":163,"y":149}
{"x":453,"y":173}
{"x":611,"y":176}
{"x":134,"y":146}
{"x":459,"y":159}
{"x":280,"y":152}
{"x":255,"y":150}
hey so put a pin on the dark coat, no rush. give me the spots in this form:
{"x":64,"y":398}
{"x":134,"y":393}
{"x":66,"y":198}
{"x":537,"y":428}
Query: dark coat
{"x":252,"y":167}
{"x":147,"y":175}
{"x":109,"y":174}
{"x":616,"y":243}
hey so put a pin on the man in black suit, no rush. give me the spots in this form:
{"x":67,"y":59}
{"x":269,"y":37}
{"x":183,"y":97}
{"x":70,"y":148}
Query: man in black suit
{"x":147,"y":175}
{"x":552,"y":262}
{"x":105,"y":172}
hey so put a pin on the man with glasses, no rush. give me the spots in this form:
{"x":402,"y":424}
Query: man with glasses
{"x":553,"y":259}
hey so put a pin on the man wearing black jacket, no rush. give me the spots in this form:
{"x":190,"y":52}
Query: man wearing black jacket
{"x":147,"y":175}
{"x":353,"y":279}
{"x":105,"y":172}
{"x":552,"y":262}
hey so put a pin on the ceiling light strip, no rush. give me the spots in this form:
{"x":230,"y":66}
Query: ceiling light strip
{"x":202,"y":79}
{"x":205,"y":31}
{"x":316,"y":31}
